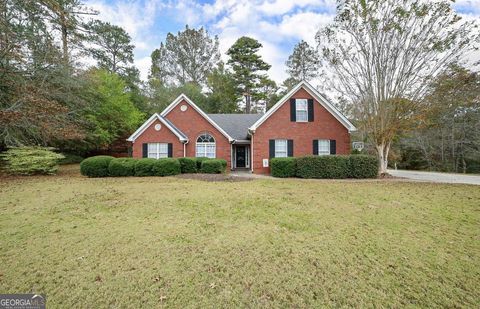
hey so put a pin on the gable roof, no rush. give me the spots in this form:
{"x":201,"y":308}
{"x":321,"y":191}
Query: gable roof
{"x":182,"y":97}
{"x":314,"y":93}
{"x":181,"y":136}
{"x":236,"y":125}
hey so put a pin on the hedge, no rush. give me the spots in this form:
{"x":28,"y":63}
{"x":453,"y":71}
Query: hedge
{"x":213,"y":166}
{"x":199,"y":161}
{"x":121,"y":167}
{"x":323,"y":167}
{"x":95,"y":166}
{"x":283,"y":167}
{"x":144,"y":167}
{"x":188,"y":165}
{"x":363,"y":166}
{"x":31,"y":160}
{"x":166,"y":167}
{"x":70,"y":159}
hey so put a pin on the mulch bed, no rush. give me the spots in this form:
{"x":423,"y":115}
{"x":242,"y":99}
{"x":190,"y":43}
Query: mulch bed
{"x":214,"y":177}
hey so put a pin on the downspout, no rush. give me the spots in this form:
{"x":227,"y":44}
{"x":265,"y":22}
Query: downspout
{"x":185,"y":149}
{"x":251,"y":152}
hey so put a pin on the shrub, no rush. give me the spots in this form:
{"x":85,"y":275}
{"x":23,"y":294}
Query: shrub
{"x":70,"y":159}
{"x":121,"y":167}
{"x":31,"y":160}
{"x":188,"y":165}
{"x":322,"y":167}
{"x":199,"y":162}
{"x":166,"y":167}
{"x":213,"y":166}
{"x":362,"y":166}
{"x":95,"y":166}
{"x":144,"y":167}
{"x":283,"y":167}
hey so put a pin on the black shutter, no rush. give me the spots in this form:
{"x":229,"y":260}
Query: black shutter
{"x":293,"y":110}
{"x":170,"y":150}
{"x":310,"y":110}
{"x":290,"y":148}
{"x":144,"y":150}
{"x":333,"y":146}
{"x":315,"y":146}
{"x":271,"y":147}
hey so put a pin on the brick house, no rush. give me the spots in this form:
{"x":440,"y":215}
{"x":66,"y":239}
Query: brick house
{"x":302,"y":123}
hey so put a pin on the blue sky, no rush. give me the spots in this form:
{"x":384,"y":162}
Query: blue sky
{"x":277,"y":24}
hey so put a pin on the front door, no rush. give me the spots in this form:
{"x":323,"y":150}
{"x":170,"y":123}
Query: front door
{"x":240,"y":156}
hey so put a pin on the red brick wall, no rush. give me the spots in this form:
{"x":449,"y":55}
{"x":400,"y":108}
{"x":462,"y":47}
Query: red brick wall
{"x":279,"y":126}
{"x":192,"y":124}
{"x":150,"y":135}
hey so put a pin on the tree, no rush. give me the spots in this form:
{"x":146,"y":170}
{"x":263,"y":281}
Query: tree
{"x":303,"y":63}
{"x":382,"y":56}
{"x":187,"y":57}
{"x":111,"y":112}
{"x":266,"y":94}
{"x":247,"y":66}
{"x":160,"y":95}
{"x":112,"y":48}
{"x":222,"y":94}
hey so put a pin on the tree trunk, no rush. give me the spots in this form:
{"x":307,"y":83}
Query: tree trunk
{"x":382,"y":153}
{"x":63,"y":25}
{"x":247,"y":103}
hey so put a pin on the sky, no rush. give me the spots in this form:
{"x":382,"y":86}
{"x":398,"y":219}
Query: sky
{"x":277,"y":24}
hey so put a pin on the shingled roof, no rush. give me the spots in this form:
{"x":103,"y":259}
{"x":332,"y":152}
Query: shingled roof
{"x":236,"y":125}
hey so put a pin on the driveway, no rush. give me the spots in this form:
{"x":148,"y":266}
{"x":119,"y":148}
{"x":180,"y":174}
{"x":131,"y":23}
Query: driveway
{"x":437,"y":177}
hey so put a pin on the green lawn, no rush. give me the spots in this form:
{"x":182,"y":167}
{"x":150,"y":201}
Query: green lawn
{"x":148,"y":242}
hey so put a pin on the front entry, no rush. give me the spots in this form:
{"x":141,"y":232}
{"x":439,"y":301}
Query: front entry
{"x":240,"y":156}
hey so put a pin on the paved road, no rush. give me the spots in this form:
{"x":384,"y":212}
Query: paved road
{"x":437,"y":177}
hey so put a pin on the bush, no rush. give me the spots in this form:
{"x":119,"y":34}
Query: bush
{"x":188,"y":165}
{"x":31,"y":160}
{"x":95,"y":166}
{"x":362,"y":166}
{"x":121,"y":167}
{"x":144,"y":167}
{"x":283,"y":167}
{"x":199,"y":162}
{"x":70,"y":159}
{"x":323,"y":167}
{"x":213,"y":166}
{"x":166,"y":167}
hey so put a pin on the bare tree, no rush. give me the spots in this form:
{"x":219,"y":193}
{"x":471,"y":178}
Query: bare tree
{"x":381,"y":55}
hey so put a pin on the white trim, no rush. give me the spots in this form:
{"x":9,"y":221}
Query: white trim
{"x":314,"y":93}
{"x":179,"y":99}
{"x":147,"y":123}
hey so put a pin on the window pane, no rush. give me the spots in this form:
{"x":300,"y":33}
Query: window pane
{"x":323,"y":147}
{"x":301,"y":109}
{"x":302,"y":115}
{"x":280,"y":148}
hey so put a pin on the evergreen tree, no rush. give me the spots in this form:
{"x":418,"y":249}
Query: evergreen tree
{"x":303,"y":63}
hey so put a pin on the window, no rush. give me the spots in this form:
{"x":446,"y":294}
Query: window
{"x":323,"y":147}
{"x":281,"y":148}
{"x":205,"y":146}
{"x":301,"y":107}
{"x":157,"y":150}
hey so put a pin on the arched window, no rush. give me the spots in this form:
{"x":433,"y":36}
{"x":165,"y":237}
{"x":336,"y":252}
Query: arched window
{"x":205,"y":146}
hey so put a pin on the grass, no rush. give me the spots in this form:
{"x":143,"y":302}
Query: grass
{"x":152,"y":242}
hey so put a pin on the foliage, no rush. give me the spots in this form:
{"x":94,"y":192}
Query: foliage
{"x":213,"y":166}
{"x":303,"y":63}
{"x":112,"y":113}
{"x":120,"y":167}
{"x":31,"y":160}
{"x":187,"y":57}
{"x":95,"y":166}
{"x":199,"y":162}
{"x":382,"y":55}
{"x":161,"y":96}
{"x":362,"y":166}
{"x":188,"y":165}
{"x":247,"y":68}
{"x":333,"y":167}
{"x":222,"y":95}
{"x":144,"y":167}
{"x":283,"y":167}
{"x":70,"y":158}
{"x":166,"y":167}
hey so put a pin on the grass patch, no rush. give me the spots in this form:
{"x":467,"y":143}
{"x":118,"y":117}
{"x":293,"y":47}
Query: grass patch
{"x":138,"y":242}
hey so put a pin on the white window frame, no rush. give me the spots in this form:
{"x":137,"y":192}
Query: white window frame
{"x":281,"y":153}
{"x":301,"y":110}
{"x":323,"y":147}
{"x":157,"y":150}
{"x":204,"y":149}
